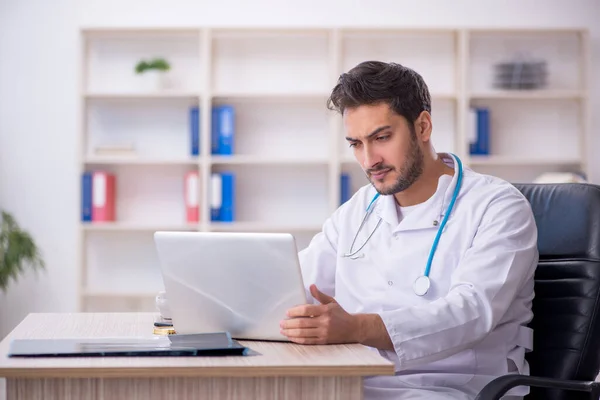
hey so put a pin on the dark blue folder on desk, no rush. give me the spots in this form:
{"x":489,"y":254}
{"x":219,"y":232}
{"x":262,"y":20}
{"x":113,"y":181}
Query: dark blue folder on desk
{"x":191,"y":345}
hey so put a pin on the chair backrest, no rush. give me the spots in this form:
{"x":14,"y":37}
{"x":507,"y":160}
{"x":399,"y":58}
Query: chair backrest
{"x":566,"y":307}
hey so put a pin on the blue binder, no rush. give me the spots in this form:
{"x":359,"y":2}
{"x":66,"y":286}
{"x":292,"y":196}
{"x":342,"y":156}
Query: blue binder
{"x":86,"y":197}
{"x":482,"y":142}
{"x":228,"y":200}
{"x":223,"y":130}
{"x":344,"y":188}
{"x":194,"y":130}
{"x":483,"y":131}
{"x":214,"y":131}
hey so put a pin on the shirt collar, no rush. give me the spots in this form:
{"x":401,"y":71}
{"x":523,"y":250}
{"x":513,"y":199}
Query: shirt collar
{"x":433,"y":210}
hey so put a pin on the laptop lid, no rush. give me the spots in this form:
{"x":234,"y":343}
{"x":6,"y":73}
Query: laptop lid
{"x":238,"y":282}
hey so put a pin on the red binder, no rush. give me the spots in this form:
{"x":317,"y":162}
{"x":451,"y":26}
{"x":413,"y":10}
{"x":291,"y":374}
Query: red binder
{"x":103,"y":194}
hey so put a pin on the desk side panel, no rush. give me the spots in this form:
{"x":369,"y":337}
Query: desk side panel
{"x":276,"y":388}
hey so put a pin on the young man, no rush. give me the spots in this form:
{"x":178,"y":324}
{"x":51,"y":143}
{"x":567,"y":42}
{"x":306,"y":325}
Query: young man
{"x":431,"y":264}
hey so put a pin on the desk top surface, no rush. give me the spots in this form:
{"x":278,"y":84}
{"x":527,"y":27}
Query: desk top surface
{"x":267,"y":358}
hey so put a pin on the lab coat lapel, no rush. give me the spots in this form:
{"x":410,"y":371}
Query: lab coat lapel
{"x":387,"y":210}
{"x":430,"y":214}
{"x":421,"y":218}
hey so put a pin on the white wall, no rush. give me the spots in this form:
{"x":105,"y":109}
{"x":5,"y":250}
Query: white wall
{"x":37,"y":147}
{"x":38,"y":96}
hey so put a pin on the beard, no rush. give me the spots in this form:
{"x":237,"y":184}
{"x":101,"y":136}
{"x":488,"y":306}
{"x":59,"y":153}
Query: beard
{"x":410,"y":171}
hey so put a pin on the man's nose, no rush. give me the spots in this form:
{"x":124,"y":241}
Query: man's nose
{"x":370,"y":157}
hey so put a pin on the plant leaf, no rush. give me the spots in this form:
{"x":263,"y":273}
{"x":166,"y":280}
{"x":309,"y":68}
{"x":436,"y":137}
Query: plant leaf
{"x":17,"y":251}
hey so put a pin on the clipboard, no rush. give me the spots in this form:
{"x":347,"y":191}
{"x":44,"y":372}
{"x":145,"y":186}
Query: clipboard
{"x":189,"y":345}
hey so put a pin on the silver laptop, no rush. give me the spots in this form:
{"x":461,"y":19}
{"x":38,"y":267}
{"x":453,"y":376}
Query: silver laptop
{"x":242,"y":283}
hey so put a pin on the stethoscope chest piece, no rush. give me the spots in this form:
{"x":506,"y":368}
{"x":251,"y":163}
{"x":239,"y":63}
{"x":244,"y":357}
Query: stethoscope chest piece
{"x":421,"y":285}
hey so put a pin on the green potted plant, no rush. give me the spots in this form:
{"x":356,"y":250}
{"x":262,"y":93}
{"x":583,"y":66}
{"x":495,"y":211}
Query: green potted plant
{"x":152,"y":73}
{"x":18,"y":251}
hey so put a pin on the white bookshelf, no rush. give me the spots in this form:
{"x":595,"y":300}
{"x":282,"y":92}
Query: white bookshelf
{"x":289,"y":149}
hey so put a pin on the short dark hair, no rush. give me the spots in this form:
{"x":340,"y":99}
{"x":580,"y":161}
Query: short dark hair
{"x":373,"y":82}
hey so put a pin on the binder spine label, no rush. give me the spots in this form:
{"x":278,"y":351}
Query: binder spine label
{"x":216,"y":196}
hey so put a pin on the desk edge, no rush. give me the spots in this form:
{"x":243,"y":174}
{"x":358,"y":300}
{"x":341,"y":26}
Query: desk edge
{"x":199,"y":372}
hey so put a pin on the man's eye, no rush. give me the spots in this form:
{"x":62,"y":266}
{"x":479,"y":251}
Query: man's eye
{"x":353,"y":144}
{"x":384,"y":137}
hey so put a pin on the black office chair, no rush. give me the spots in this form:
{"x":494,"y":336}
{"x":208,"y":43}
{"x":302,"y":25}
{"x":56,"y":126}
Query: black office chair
{"x":566,"y":356}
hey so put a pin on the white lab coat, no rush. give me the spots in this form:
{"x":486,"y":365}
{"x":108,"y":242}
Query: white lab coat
{"x":470,"y":326}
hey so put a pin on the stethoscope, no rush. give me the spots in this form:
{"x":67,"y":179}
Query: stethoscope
{"x":422,"y":283}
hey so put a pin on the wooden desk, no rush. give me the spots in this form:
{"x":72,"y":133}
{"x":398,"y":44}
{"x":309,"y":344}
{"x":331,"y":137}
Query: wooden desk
{"x":279,"y":371}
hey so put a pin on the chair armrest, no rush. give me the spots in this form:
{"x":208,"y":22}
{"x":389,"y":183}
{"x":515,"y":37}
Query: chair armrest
{"x":499,"y":386}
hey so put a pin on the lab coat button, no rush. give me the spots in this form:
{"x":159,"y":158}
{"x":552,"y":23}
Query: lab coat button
{"x":390,"y":283}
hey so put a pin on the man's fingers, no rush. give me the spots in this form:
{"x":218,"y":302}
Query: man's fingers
{"x":306,"y":310}
{"x":308,"y":341}
{"x":300,"y":322}
{"x":320,"y":296}
{"x":307,"y":333}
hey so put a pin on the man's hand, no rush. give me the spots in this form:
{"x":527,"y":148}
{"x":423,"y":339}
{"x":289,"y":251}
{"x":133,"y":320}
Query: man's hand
{"x":324,"y":323}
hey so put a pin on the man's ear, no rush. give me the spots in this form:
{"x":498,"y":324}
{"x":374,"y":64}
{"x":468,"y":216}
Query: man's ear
{"x":423,"y":126}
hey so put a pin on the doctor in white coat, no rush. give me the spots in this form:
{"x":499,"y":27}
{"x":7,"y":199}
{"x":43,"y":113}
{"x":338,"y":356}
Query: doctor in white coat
{"x":431,"y":264}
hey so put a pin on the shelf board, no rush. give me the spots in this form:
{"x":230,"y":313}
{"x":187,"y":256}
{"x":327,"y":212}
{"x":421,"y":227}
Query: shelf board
{"x":348,"y":159}
{"x":297,"y":96}
{"x":245,"y":32}
{"x":116,"y":294}
{"x":443,"y":96}
{"x":494,"y":160}
{"x":274,"y":96}
{"x":135,"y":227}
{"x":136,"y":31}
{"x":393,"y":31}
{"x":527,"y":94}
{"x":266,"y":160}
{"x":262,"y":227}
{"x":526,"y":30}
{"x":132,"y":160}
{"x":142,"y":95}
{"x":214,"y":226}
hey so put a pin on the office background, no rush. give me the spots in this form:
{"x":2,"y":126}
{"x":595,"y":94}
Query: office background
{"x":42,"y":103}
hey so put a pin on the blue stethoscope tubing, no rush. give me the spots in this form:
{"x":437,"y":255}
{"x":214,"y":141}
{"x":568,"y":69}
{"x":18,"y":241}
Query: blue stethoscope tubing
{"x":422,"y":283}
{"x":446,"y":216}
